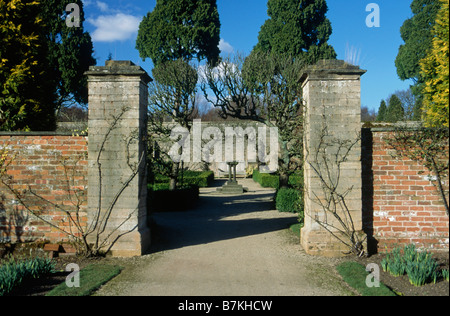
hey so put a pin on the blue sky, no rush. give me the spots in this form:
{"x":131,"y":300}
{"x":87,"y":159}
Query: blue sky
{"x":113,"y":26}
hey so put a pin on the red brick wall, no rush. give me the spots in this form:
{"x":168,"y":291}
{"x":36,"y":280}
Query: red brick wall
{"x":407,"y":207}
{"x":400,"y":205}
{"x":53,"y":168}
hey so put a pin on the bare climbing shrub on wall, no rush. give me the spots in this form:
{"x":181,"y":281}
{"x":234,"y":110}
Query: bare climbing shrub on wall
{"x":91,"y":238}
{"x":327,"y":161}
{"x":427,"y":146}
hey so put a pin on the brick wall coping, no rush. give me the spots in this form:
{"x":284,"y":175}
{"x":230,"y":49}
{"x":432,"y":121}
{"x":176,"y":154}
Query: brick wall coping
{"x":390,"y":127}
{"x":50,"y":133}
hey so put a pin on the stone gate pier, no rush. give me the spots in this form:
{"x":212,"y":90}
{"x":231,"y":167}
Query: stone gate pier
{"x":332,"y":149}
{"x":117,"y":193}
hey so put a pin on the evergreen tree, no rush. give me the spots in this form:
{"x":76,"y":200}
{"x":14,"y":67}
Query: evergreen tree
{"x":42,"y":63}
{"x":416,"y":32}
{"x":69,"y":54}
{"x":417,"y":110}
{"x":395,"y":111}
{"x":381,"y":117}
{"x":295,"y":35}
{"x":173,"y":34}
{"x":26,"y":98}
{"x":297,"y":28}
{"x":180,"y":29}
{"x":435,"y":71}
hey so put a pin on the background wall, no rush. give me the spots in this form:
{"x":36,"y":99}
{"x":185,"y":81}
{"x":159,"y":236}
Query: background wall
{"x":54,"y":168}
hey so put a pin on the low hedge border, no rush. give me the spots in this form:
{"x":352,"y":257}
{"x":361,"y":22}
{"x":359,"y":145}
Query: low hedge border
{"x":288,"y":200}
{"x":201,"y":179}
{"x":269,"y":180}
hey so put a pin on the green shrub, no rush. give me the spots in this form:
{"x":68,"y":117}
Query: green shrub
{"x":13,"y":273}
{"x":201,"y":179}
{"x":266,"y":180}
{"x":288,"y":200}
{"x":158,"y":186}
{"x":270,"y":180}
{"x":296,"y":180}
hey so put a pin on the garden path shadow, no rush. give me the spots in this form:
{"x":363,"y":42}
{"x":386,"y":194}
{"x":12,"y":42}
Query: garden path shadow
{"x":219,"y":217}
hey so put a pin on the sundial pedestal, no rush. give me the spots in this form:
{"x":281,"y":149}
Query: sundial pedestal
{"x":232,"y":186}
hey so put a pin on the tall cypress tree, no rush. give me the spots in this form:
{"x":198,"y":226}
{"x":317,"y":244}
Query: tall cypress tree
{"x":381,"y":117}
{"x":173,"y":34}
{"x":395,"y":111}
{"x":416,"y":33}
{"x":297,"y":28}
{"x":69,"y":54}
{"x":180,"y":29}
{"x":295,"y":34}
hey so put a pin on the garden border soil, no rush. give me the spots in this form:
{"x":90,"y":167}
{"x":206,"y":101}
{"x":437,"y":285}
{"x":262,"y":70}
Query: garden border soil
{"x":401,"y":285}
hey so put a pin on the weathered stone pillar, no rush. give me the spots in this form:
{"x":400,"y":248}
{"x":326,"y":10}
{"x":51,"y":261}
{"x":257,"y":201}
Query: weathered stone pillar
{"x":332,"y":169}
{"x":117,"y":193}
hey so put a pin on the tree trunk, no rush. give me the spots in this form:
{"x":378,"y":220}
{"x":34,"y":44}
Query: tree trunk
{"x":284,"y":179}
{"x":174,"y":176}
{"x":283,"y":164}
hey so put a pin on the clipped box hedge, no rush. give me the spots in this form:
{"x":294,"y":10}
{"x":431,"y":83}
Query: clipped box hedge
{"x":288,"y":200}
{"x":202,"y":179}
{"x":269,"y":180}
{"x":161,"y":199}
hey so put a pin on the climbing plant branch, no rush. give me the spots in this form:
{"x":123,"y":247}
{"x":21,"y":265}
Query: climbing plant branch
{"x":327,"y":160}
{"x":427,"y":146}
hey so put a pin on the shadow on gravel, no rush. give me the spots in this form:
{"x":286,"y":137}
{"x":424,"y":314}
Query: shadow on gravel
{"x":216,"y":218}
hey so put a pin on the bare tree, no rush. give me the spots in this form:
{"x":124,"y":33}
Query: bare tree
{"x":172,"y":97}
{"x":368,"y":115}
{"x":263,"y":88}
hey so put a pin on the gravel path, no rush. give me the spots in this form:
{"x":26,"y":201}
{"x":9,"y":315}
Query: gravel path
{"x":227,"y":246}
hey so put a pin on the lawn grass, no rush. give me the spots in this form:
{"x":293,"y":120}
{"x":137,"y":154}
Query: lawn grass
{"x":91,"y":278}
{"x":355,"y":275}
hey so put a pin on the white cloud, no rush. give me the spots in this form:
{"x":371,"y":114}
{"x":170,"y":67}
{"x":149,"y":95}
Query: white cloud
{"x":225,"y":47}
{"x":102,"y":6}
{"x":111,"y":28}
{"x":218,"y":72}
